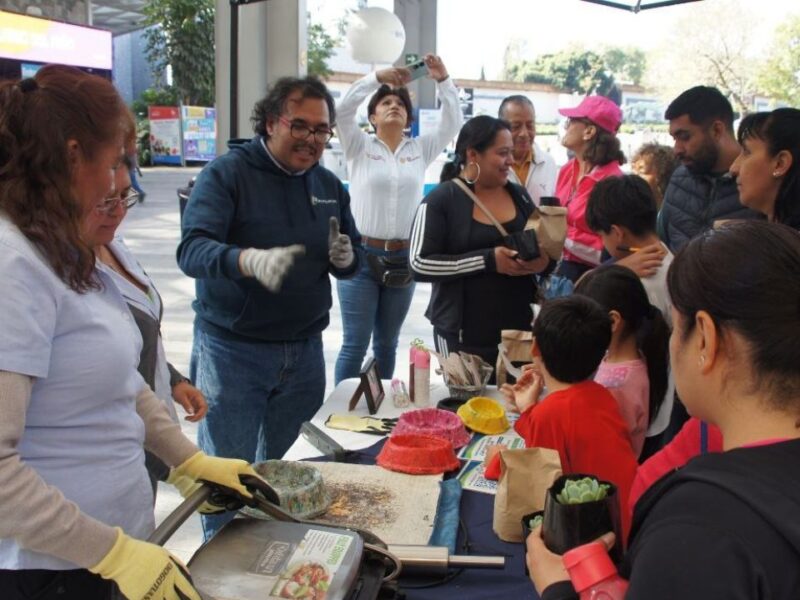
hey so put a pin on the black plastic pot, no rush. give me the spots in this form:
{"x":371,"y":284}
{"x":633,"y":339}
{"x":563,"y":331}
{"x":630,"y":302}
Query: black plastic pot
{"x":526,"y":527}
{"x":567,"y":526}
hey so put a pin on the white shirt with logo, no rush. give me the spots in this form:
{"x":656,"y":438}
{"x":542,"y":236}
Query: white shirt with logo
{"x":386,"y":187}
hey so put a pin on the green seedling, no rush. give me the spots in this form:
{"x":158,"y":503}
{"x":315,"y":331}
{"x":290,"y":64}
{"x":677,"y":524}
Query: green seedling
{"x":579,"y":491}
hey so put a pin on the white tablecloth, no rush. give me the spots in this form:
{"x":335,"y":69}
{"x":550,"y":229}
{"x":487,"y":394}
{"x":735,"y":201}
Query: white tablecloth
{"x":337,"y":403}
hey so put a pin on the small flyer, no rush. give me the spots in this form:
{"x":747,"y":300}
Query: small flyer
{"x":476,"y":449}
{"x":472,"y":479}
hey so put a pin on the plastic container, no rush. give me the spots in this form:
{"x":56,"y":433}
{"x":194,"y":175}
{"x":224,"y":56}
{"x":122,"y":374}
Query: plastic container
{"x":422,"y":378}
{"x":484,"y":415}
{"x":435,"y":422}
{"x":299,"y":486}
{"x":465,"y":392}
{"x":567,"y":526}
{"x":418,"y":455}
{"x":592,"y":573}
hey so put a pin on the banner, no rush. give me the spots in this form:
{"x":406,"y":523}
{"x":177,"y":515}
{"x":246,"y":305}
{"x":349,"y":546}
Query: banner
{"x":199,"y":133}
{"x":39,"y":40}
{"x":165,"y":135}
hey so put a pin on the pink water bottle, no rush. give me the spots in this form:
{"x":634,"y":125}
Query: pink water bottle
{"x":593,"y":574}
{"x":422,"y":378}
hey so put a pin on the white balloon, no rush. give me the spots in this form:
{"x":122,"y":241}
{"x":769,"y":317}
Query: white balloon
{"x":376,"y":35}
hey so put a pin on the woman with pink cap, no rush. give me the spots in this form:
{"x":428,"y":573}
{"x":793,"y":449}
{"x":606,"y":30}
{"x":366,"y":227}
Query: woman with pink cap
{"x":591,"y":135}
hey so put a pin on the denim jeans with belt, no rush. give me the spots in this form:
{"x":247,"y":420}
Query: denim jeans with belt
{"x":370,"y":309}
{"x":258,"y":393}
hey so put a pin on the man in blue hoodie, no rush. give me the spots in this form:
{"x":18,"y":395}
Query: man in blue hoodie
{"x":263,"y":228}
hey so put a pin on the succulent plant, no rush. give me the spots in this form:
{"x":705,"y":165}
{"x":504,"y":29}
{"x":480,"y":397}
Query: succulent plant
{"x":535,"y":522}
{"x":578,"y":491}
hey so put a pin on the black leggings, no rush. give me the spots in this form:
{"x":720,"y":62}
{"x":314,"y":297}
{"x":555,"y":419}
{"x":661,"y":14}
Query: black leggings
{"x":40,"y":584}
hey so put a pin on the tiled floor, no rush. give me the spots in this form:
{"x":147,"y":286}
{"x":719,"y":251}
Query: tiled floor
{"x":152,"y":231}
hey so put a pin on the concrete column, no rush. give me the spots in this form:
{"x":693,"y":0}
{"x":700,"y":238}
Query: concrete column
{"x":272,"y":44}
{"x":419,"y":19}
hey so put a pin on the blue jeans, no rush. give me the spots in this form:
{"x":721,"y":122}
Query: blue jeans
{"x":258,"y":393}
{"x":371,"y":310}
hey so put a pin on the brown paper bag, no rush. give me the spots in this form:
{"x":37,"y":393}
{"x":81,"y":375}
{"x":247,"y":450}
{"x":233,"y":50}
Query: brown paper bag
{"x":515,"y":345}
{"x":525,"y":477}
{"x":550,"y":224}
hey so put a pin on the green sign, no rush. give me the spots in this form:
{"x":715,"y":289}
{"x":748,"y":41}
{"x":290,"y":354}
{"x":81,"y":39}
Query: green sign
{"x":411,"y":58}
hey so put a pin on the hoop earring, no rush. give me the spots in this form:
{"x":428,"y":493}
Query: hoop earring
{"x":471,"y":181}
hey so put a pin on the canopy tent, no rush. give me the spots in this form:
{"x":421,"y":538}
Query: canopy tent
{"x":638,"y":5}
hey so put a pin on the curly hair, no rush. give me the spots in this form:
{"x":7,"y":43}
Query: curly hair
{"x":663,"y":162}
{"x":39,"y":116}
{"x":273,"y":104}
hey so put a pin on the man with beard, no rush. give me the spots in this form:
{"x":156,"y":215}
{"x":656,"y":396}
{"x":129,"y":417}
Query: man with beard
{"x":533,"y":168}
{"x":263,"y":229}
{"x":700,"y":191}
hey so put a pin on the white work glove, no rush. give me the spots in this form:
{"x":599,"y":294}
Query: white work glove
{"x":269,"y":266}
{"x":340,"y":249}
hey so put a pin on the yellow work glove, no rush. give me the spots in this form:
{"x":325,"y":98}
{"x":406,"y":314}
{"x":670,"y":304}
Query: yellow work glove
{"x":222,"y":471}
{"x":187,"y":487}
{"x":142,"y":570}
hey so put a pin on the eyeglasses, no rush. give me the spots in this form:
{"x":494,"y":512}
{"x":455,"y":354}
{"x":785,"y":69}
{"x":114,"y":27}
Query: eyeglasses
{"x":303,"y":132}
{"x":109,"y":204}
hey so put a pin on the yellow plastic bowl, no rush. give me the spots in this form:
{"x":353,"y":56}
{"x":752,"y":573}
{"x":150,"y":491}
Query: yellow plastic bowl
{"x":483,"y":415}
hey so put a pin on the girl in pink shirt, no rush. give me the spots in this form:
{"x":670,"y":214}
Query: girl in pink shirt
{"x":635,"y":368}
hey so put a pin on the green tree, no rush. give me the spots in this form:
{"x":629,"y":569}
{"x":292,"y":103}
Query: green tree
{"x":181,"y":34}
{"x":780,"y":77}
{"x":627,"y":64}
{"x":575,"y":70}
{"x":321,"y":46}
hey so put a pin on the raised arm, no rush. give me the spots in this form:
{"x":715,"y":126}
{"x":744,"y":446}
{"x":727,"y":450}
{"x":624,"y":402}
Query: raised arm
{"x":350,"y":134}
{"x":452,"y":119}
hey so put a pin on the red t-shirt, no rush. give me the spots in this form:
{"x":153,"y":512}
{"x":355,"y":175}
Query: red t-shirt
{"x":583,"y":423}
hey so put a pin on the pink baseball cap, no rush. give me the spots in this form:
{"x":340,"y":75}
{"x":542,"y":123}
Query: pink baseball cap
{"x":599,"y":110}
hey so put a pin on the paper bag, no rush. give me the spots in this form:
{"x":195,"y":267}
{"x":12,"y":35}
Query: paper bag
{"x":550,"y":225}
{"x":515,"y":349}
{"x":525,"y":477}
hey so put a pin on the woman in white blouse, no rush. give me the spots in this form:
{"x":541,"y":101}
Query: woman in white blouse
{"x":387,"y":173}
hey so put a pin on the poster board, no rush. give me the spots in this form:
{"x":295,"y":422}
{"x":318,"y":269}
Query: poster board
{"x":165,"y":135}
{"x":199,"y":125}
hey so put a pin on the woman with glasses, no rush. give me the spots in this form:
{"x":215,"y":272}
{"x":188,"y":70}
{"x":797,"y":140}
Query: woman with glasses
{"x":387,"y":176}
{"x":145,"y":305}
{"x":76,"y":414}
{"x":591,"y":135}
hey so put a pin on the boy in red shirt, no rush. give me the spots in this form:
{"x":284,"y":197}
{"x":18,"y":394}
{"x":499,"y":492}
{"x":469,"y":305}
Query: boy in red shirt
{"x":578,"y":417}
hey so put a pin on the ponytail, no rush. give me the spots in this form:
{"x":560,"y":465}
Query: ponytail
{"x":652,"y":339}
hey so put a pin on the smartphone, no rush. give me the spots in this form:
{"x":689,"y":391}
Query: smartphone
{"x":417,"y":70}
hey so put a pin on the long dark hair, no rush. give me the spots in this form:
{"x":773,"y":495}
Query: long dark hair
{"x":779,"y":130}
{"x":620,"y":289}
{"x":746,"y":276}
{"x":38,"y":117}
{"x":478,"y":134}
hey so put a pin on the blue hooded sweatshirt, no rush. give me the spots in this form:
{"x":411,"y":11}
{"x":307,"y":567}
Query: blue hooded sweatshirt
{"x":241,"y":200}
